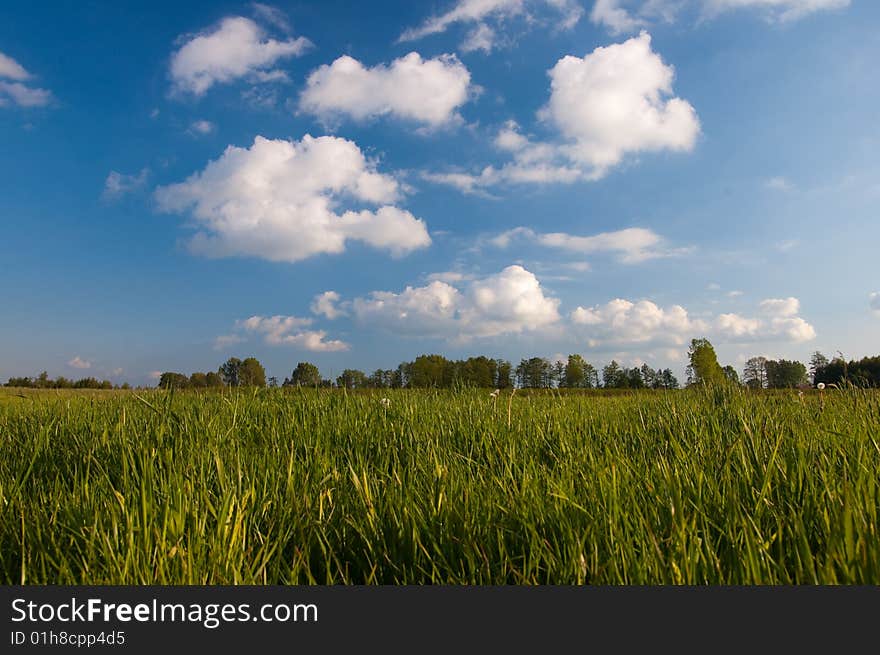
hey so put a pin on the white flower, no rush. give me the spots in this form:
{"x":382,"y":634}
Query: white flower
{"x":495,"y":393}
{"x":820,"y":386}
{"x":385,"y":402}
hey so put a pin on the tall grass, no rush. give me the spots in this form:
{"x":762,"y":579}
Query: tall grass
{"x":325,"y":487}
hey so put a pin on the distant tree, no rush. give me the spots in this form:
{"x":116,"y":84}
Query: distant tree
{"x":703,"y":368}
{"x":273,"y":382}
{"x":534,"y":373}
{"x":168,"y":380}
{"x":503,"y":374}
{"x":668,"y":380}
{"x":213,"y":379}
{"x":755,"y":373}
{"x":649,"y":377}
{"x":401,"y":377}
{"x":634,"y":378}
{"x":198,"y":380}
{"x":557,"y":373}
{"x":575,"y":373}
{"x":818,"y":362}
{"x":352,"y":379}
{"x":434,"y":371}
{"x":251,"y":373}
{"x":784,"y":374}
{"x":230,"y":370}
{"x":613,"y":376}
{"x":731,"y":374}
{"x":43,"y":381}
{"x":305,"y":374}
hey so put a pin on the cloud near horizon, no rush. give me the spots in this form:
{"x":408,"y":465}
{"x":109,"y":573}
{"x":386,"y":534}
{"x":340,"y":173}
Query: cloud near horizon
{"x":281,"y":331}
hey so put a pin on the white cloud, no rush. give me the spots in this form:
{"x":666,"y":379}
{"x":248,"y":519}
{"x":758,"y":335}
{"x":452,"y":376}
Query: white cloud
{"x":874,"y":301}
{"x":624,"y":16}
{"x":780,"y":306}
{"x":566,"y":14}
{"x":633,"y":245}
{"x":327,"y":305}
{"x":280,"y":200}
{"x":201,"y":127}
{"x":509,"y":302}
{"x":118,"y":184}
{"x":154,"y":375}
{"x":734,"y":294}
{"x":779,"y":184}
{"x":79,"y":362}
{"x":235,"y":49}
{"x":427,"y":91}
{"x":24,"y":96}
{"x":780,"y":321}
{"x":614,"y":102}
{"x":776,"y":10}
{"x":225,"y":340}
{"x":12,"y":70}
{"x":19,"y":93}
{"x":272,"y":15}
{"x":622,"y":321}
{"x":289,"y":331}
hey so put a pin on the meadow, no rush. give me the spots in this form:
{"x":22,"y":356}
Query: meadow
{"x":305,"y":486}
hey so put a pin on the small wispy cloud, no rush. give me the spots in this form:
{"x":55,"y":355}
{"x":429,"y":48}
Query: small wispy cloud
{"x":201,"y":127}
{"x":79,"y":362}
{"x":779,"y":184}
{"x":118,"y":184}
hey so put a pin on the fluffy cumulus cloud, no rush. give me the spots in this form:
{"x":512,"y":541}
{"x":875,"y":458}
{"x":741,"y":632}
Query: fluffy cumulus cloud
{"x":778,"y":321}
{"x":632,"y":245}
{"x":118,"y":184}
{"x":327,"y":305}
{"x":622,"y":16}
{"x":613,"y":102}
{"x":282,"y":331}
{"x":509,"y":302}
{"x":13,"y":87}
{"x":874,"y":301}
{"x":642,"y":322}
{"x":282,"y":201}
{"x":80,"y":363}
{"x":425,"y":91}
{"x":236,"y":48}
{"x":485,"y":18}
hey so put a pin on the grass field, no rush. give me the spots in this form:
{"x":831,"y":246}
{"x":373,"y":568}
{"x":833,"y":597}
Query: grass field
{"x":320,"y":487}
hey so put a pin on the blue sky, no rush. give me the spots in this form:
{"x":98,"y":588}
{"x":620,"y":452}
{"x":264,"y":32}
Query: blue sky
{"x":354,"y":184}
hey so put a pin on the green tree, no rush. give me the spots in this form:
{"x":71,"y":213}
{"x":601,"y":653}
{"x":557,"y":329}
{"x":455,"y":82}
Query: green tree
{"x":305,"y":374}
{"x":818,"y":362}
{"x":198,"y":380}
{"x":230,"y":370}
{"x":251,"y":373}
{"x":213,"y":379}
{"x":704,"y":368}
{"x":731,"y":374}
{"x":352,"y":379}
{"x":433,"y":371}
{"x":755,"y":373}
{"x":168,"y":380}
{"x":785,"y":374}
{"x":613,"y":377}
{"x":503,"y":374}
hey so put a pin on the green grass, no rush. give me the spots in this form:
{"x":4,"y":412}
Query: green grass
{"x":322,"y":487}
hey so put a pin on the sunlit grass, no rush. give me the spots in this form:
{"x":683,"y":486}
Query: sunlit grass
{"x":305,"y":486}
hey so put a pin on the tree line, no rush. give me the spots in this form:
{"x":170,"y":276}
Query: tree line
{"x":436,"y":371}
{"x":43,"y":381}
